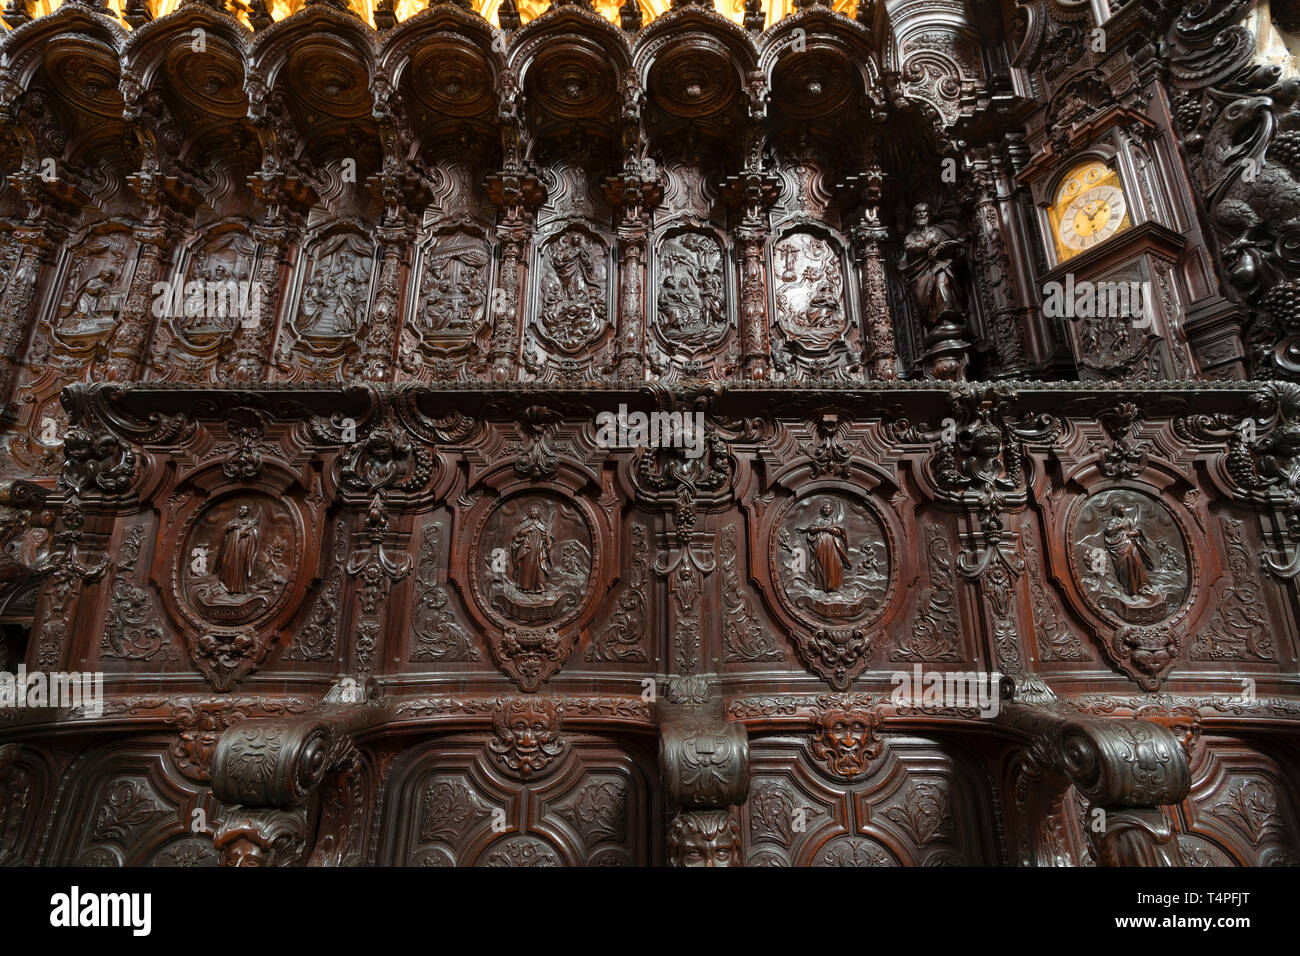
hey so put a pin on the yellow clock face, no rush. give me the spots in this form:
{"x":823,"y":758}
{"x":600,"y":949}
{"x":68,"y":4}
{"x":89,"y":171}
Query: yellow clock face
{"x":1089,"y":209}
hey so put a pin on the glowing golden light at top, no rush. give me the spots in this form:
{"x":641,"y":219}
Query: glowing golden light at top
{"x":404,"y":9}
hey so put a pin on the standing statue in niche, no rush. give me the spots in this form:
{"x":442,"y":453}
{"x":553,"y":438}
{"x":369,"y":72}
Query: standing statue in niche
{"x":828,"y":550}
{"x":930,"y":265}
{"x":238,"y":551}
{"x":530,"y":551}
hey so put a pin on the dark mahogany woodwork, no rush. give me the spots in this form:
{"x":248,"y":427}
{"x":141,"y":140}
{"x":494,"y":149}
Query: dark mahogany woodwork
{"x":323,"y":347}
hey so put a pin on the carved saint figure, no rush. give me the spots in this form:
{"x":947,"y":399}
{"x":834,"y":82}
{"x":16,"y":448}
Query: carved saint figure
{"x":332,"y":300}
{"x":1130,"y":553}
{"x":828,"y":549}
{"x":87,"y":309}
{"x":238,"y":551}
{"x":530,"y":552}
{"x":573,"y":303}
{"x":929,"y":264}
{"x":691,"y":310}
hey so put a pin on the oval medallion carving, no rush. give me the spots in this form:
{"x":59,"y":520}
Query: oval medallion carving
{"x":830,"y":556}
{"x":1130,"y":558}
{"x":235,"y":563}
{"x":533,"y":561}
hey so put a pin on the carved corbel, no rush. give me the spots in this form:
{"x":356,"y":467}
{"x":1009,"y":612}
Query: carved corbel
{"x":704,"y":760}
{"x":269,"y":769}
{"x":1126,"y":770}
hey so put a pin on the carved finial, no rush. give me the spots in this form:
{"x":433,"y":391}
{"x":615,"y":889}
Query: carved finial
{"x":385,"y":15}
{"x":259,"y":15}
{"x":16,"y":13}
{"x":508,"y":15}
{"x":629,"y":16}
{"x":755,"y":16}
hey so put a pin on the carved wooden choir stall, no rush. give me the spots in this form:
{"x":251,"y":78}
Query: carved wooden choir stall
{"x":526,"y":434}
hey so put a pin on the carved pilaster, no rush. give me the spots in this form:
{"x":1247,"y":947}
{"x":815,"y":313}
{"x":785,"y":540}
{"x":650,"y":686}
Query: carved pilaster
{"x":136,"y":321}
{"x":16,"y":305}
{"x":252,"y":338}
{"x":755,"y":346}
{"x":377,"y":360}
{"x":880,"y":353}
{"x":993,"y":274}
{"x":630,"y":358}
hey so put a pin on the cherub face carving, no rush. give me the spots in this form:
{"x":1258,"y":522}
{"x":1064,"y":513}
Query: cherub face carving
{"x":704,"y":838}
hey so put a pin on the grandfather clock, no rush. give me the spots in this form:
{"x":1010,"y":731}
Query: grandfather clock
{"x":1111,"y":286}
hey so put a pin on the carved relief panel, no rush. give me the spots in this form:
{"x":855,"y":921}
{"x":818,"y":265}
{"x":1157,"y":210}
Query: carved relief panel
{"x":813,"y":333}
{"x":233,"y":569}
{"x":691,"y":313}
{"x":91,"y":297}
{"x":200,"y":312}
{"x":328,"y":314}
{"x":830,"y":560}
{"x":1130,"y":560}
{"x":71,"y":341}
{"x":529,"y":794}
{"x":572,"y":299}
{"x":447,"y":324}
{"x":534,"y":564}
